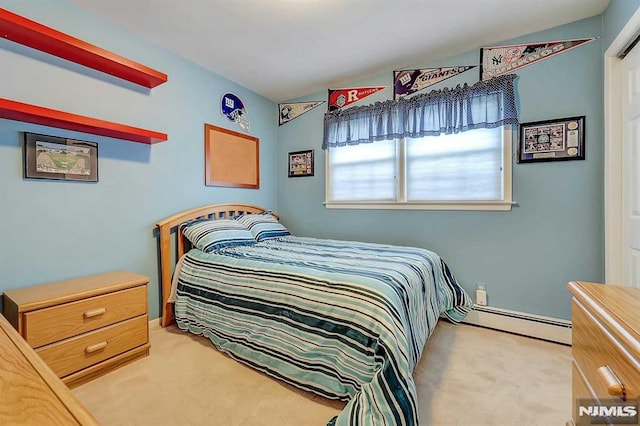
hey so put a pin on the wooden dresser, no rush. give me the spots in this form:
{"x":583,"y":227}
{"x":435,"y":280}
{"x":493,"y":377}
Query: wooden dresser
{"x":83,"y":327}
{"x":605,"y":342}
{"x":30,"y":393}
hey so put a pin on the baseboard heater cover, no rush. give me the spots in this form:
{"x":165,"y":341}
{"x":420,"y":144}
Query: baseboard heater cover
{"x":531,"y":325}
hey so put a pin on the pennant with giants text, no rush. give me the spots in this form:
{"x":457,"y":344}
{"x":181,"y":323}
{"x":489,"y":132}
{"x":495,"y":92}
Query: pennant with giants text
{"x":499,"y":60}
{"x":410,"y":81}
{"x":294,"y":110}
{"x":340,"y":98}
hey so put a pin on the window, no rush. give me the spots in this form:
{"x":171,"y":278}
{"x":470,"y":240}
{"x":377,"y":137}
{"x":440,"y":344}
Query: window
{"x":464,"y":166}
{"x":365,"y":172}
{"x":463,"y":171}
{"x":447,"y":149}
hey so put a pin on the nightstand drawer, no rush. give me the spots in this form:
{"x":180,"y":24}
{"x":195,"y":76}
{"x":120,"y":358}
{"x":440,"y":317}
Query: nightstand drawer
{"x":594,"y":348}
{"x":76,"y":353}
{"x":59,"y":322}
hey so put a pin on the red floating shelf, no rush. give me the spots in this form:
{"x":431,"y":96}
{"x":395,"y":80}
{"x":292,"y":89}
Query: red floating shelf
{"x":30,"y":33}
{"x":64,"y":120}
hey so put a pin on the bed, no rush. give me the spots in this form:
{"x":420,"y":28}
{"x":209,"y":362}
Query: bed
{"x":343,"y":319}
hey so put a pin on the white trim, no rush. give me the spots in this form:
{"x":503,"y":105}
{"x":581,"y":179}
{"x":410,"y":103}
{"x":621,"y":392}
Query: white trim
{"x":613,"y":151}
{"x":448,"y":205}
{"x":401,"y":204}
{"x":531,"y":325}
{"x":401,"y":166}
{"x":155,"y":323}
{"x":612,"y":175}
{"x":507,"y":164}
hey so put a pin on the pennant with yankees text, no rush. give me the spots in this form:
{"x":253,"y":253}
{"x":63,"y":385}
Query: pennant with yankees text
{"x":340,"y":98}
{"x":499,"y":60}
{"x":293,"y":110}
{"x":410,"y":81}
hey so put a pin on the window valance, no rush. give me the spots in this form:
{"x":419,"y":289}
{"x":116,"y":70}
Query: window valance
{"x":486,"y":104}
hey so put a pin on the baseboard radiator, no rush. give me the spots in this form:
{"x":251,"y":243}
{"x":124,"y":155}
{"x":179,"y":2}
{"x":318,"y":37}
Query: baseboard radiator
{"x":531,"y":325}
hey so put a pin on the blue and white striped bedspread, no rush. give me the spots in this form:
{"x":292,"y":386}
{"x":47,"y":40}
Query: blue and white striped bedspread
{"x":346,"y":320}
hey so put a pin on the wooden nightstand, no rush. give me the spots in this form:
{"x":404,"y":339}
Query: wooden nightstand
{"x":83,"y":327}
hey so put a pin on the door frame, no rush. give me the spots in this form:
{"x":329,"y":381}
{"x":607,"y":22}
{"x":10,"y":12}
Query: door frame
{"x":613,"y":151}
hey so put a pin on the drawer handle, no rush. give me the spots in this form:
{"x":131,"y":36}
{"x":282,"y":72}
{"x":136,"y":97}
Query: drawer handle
{"x":96,"y":347}
{"x":94,"y":312}
{"x":614,"y":385}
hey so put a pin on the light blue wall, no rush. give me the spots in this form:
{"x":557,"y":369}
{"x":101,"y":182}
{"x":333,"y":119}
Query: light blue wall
{"x":615,"y":18}
{"x":525,"y":256}
{"x":59,"y":230}
{"x":55,"y":230}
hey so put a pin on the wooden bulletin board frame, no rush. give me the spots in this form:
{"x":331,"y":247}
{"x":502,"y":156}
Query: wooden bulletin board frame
{"x":232,"y":159}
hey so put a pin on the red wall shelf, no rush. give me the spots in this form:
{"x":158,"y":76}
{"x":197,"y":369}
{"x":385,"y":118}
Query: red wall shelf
{"x":19,"y":111}
{"x":30,"y":33}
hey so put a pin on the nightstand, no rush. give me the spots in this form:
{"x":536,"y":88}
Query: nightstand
{"x":83,"y":327}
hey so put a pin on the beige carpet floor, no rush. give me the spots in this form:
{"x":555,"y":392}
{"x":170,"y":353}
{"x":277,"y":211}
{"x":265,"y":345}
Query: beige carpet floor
{"x":467,"y":376}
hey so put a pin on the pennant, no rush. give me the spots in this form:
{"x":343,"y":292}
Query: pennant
{"x":294,"y":110}
{"x":499,"y":60}
{"x":233,"y":108}
{"x":340,"y":98}
{"x":410,"y":81}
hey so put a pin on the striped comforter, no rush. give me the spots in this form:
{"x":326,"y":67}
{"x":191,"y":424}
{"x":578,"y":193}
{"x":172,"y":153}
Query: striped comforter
{"x":345,"y":320}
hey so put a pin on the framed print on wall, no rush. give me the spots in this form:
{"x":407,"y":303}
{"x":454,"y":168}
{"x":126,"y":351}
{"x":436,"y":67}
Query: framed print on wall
{"x":50,"y":157}
{"x":301,"y":163}
{"x":552,"y":140}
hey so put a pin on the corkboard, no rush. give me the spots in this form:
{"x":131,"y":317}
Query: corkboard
{"x":231,"y":158}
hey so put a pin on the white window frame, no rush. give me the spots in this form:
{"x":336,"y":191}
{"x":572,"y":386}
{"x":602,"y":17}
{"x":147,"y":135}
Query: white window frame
{"x":402,"y":204}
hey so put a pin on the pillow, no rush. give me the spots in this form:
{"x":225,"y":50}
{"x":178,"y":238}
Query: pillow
{"x":210,"y":235}
{"x":263,"y":226}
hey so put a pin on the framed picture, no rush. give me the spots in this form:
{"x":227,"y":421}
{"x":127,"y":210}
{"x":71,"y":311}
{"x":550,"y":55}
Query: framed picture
{"x":552,"y":140}
{"x":301,"y":163}
{"x":232,"y":159}
{"x":50,"y":157}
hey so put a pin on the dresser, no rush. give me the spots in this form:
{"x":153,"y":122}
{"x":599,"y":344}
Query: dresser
{"x":84,"y":327}
{"x":30,"y":393}
{"x":605,"y":342}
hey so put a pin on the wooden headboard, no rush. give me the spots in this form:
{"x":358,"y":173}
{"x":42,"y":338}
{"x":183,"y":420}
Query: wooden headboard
{"x":172,"y":224}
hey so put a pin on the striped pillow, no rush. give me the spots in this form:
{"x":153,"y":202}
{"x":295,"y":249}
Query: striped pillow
{"x":210,"y":235}
{"x":263,"y":226}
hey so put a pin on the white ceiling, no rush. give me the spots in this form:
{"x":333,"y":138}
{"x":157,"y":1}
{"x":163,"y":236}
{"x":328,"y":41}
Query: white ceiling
{"x":284,"y":49}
